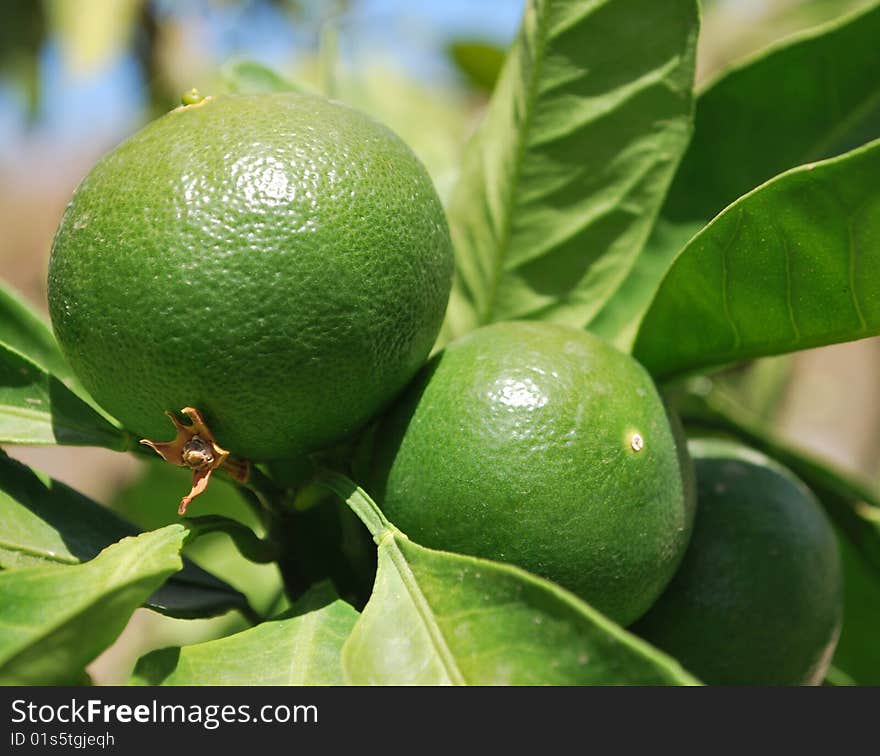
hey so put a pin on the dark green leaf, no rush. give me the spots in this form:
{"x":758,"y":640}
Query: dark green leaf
{"x":810,"y":97}
{"x":56,"y":619}
{"x":37,"y":408}
{"x":813,"y":96}
{"x":563,"y":181}
{"x":244,"y":76}
{"x":858,"y":653}
{"x":438,"y":618}
{"x":248,"y":543}
{"x":43,"y":521}
{"x":194,"y":593}
{"x":792,"y":265}
{"x":301,"y":647}
{"x":618,"y":321}
{"x":23,"y":330}
{"x":480,"y":62}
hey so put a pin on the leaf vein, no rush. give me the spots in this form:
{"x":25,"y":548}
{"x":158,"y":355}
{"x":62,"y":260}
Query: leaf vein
{"x":543,"y":24}
{"x":425,"y":613}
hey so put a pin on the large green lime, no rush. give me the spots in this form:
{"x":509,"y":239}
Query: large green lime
{"x":280,"y":262}
{"x":542,"y":446}
{"x":757,"y":600}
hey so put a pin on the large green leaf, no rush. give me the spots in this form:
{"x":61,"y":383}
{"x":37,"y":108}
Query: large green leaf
{"x":56,"y":619}
{"x":437,"y":618}
{"x":618,"y":321}
{"x":301,"y":647}
{"x":23,"y":330}
{"x":812,"y":96}
{"x":37,"y":408}
{"x":44,"y":522}
{"x":792,"y":265}
{"x":562,"y":183}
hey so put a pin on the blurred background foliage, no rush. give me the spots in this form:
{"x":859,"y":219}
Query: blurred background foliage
{"x":78,"y":76}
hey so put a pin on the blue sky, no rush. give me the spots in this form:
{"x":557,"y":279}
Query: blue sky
{"x":410,"y":33}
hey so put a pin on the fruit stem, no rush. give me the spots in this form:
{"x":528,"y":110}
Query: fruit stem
{"x":248,"y":543}
{"x":271,"y":496}
{"x":358,"y":501}
{"x":252,"y":617}
{"x":195,"y":447}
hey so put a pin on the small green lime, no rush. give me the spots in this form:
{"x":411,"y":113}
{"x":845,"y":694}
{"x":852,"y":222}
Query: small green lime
{"x":279,"y":262}
{"x":542,"y":446}
{"x":758,"y":597}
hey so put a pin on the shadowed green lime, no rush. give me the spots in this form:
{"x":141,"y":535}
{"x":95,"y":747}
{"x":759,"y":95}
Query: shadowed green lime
{"x":758,"y":597}
{"x":545,"y":447}
{"x":280,"y":262}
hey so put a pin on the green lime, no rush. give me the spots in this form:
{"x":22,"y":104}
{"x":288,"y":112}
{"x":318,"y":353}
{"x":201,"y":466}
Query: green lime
{"x":542,"y":446}
{"x":758,"y":597}
{"x":279,"y":262}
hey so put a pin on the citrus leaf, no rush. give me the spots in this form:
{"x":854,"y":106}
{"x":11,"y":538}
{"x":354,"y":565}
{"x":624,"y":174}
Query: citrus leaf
{"x":44,"y":522}
{"x":37,"y":408}
{"x":56,"y":619}
{"x":792,"y":265}
{"x":478,"y":61}
{"x":438,"y":618}
{"x":852,"y":504}
{"x":27,"y":333}
{"x":248,"y":543}
{"x":300,"y":647}
{"x":245,"y":76}
{"x":813,"y":95}
{"x":858,"y":655}
{"x":618,"y":321}
{"x":564,"y":178}
{"x":149,"y":501}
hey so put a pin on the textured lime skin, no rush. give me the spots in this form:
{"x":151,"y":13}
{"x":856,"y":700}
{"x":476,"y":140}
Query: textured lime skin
{"x":515,"y":444}
{"x":280,"y":262}
{"x":758,"y":597}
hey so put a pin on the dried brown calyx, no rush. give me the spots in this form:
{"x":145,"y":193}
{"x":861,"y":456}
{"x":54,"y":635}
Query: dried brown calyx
{"x":195,"y":447}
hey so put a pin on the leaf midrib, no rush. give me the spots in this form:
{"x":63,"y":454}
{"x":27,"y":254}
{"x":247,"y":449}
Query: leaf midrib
{"x":423,"y":609}
{"x":304,"y":638}
{"x":524,"y":132}
{"x":34,"y":551}
{"x":106,"y":591}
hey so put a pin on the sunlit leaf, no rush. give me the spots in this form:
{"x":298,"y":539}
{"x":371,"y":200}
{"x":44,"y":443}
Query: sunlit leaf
{"x":37,"y":408}
{"x":437,"y":618}
{"x":792,"y":265}
{"x":56,"y":619}
{"x":44,"y":522}
{"x":27,"y":333}
{"x":806,"y":98}
{"x":563,"y":181}
{"x":301,"y":647}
